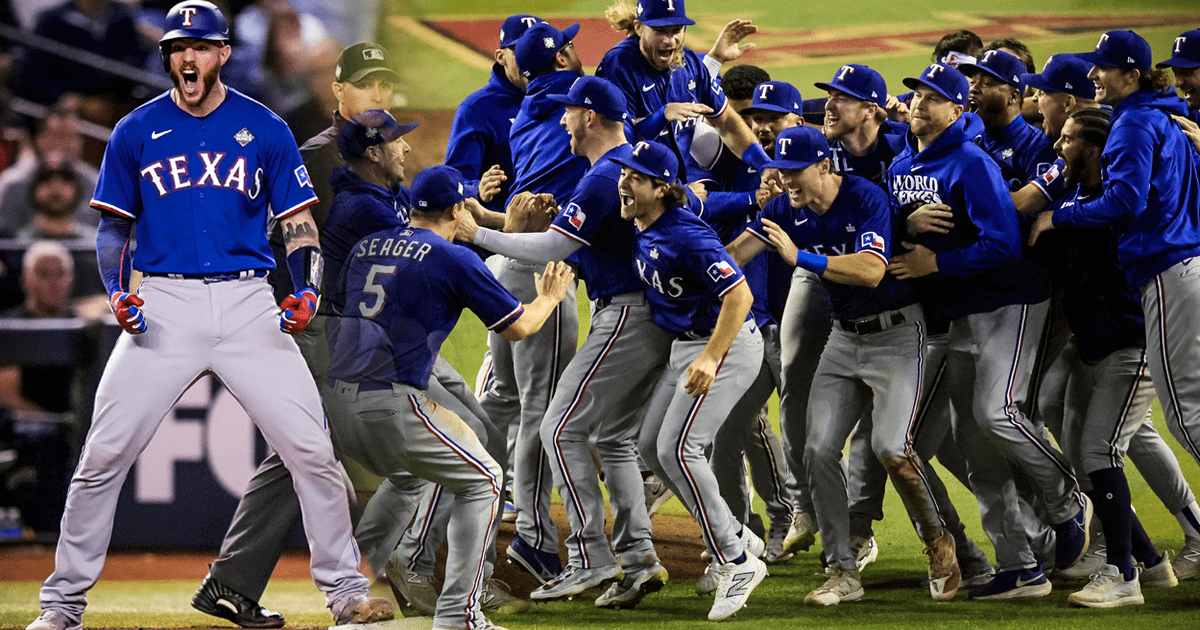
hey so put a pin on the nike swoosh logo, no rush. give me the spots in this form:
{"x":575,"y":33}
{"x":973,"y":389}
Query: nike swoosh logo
{"x":155,"y":135}
{"x":802,"y":221}
{"x":917,"y":168}
{"x":1021,"y":582}
{"x":647,"y":88}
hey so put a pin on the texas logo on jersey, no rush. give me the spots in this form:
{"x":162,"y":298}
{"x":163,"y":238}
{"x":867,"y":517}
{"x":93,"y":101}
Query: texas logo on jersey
{"x":720,"y":270}
{"x":872,"y":241}
{"x":575,"y":215}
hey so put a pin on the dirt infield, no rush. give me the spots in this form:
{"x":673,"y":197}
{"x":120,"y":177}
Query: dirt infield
{"x":677,"y":539}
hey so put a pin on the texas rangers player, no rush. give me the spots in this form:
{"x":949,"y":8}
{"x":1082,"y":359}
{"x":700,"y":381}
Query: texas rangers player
{"x":697,"y":295}
{"x":996,"y":302}
{"x":1185,"y":65}
{"x":1149,"y":196}
{"x":208,"y":308}
{"x":843,"y":224}
{"x":605,"y":386}
{"x":382,"y":353}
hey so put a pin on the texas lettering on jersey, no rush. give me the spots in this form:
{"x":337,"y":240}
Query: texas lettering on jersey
{"x":176,"y":173}
{"x":673,"y":286}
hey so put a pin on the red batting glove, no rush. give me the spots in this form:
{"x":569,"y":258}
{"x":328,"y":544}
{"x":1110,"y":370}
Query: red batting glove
{"x":129,"y":316}
{"x":298,"y":309}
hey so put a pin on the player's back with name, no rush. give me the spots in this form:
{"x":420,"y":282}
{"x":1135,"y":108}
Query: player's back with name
{"x":387,"y":244}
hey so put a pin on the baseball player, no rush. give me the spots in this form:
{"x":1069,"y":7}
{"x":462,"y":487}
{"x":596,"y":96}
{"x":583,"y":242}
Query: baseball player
{"x":697,"y":295}
{"x":844,"y":223}
{"x":1185,"y":65}
{"x":996,"y":303}
{"x":269,"y":509}
{"x":382,"y":352}
{"x":206,"y":167}
{"x":525,"y":374}
{"x":1108,"y":392}
{"x":605,"y":386}
{"x":646,"y":63}
{"x":1148,"y":197}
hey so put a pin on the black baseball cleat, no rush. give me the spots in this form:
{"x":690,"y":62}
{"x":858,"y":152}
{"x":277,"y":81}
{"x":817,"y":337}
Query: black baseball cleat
{"x":218,"y":600}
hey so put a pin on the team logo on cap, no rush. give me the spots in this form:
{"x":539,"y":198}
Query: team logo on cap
{"x":784,"y":143}
{"x":765,"y":89}
{"x":187,"y":13}
{"x":371,"y":132}
{"x":587,"y":101}
{"x":1179,"y":41}
{"x":843,"y":72}
{"x":370,"y":54}
{"x":935,"y":70}
{"x":638,"y":149}
{"x":1103,"y":38}
{"x":243,"y":137}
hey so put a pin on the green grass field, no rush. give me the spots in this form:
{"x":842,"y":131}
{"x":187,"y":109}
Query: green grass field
{"x":439,"y":70}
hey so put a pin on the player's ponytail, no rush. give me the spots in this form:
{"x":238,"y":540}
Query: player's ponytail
{"x":675,"y":196}
{"x":1154,"y":80}
{"x":622,"y":16}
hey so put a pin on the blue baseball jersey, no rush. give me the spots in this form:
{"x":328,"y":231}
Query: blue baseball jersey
{"x":874,"y":165}
{"x":541,"y":147}
{"x":644,"y":86}
{"x":693,"y":83}
{"x":1151,"y":188}
{"x":202,"y":189}
{"x":1022,"y":151}
{"x":592,"y":217}
{"x":981,"y":265}
{"x":859,"y":220}
{"x":405,"y":290}
{"x":479,"y":134}
{"x":687,"y":272}
{"x":359,"y":208}
{"x":1051,"y":182}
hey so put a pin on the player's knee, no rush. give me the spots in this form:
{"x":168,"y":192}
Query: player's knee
{"x":100,"y":464}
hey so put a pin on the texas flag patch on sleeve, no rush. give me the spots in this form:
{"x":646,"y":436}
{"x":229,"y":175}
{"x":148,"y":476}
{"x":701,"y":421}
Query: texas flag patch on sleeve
{"x":873,"y":241}
{"x":575,"y":215}
{"x":720,"y":270}
{"x":302,"y":177}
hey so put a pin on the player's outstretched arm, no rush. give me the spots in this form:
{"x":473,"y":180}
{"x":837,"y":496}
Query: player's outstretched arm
{"x":734,"y":308}
{"x":745,"y":247}
{"x":307,"y":269}
{"x":728,"y":45}
{"x":552,"y":287}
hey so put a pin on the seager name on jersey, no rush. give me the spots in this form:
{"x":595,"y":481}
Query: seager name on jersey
{"x":395,"y":247}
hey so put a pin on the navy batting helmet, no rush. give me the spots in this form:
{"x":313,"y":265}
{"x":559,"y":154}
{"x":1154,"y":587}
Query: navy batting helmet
{"x":194,"y":19}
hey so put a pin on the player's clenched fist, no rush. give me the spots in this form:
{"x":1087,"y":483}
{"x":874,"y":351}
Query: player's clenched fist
{"x":125,"y":306}
{"x":298,"y":309}
{"x":555,"y":281}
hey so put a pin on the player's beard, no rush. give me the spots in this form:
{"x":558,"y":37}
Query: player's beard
{"x":193,"y":93}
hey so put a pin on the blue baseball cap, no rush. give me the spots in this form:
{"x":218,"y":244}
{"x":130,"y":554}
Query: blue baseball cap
{"x":999,"y":64}
{"x":1186,"y":53}
{"x":372,"y":127}
{"x":656,"y":13}
{"x":538,"y":46}
{"x":514,"y":27}
{"x":861,"y":82}
{"x":799,"y":147}
{"x":437,"y":187}
{"x":944,"y":80}
{"x":596,"y":94}
{"x":1063,"y":73}
{"x":776,"y":96}
{"x":652,"y":160}
{"x":1120,"y":49}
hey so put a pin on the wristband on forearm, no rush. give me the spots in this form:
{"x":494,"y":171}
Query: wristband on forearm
{"x":755,"y":156}
{"x":307,"y":268}
{"x":815,"y":263}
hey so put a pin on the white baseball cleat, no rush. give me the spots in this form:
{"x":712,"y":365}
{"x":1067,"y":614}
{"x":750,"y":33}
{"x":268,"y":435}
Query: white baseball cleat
{"x":801,"y":534}
{"x":1187,"y":565}
{"x":752,"y":544}
{"x":53,"y":620}
{"x":1161,"y":574}
{"x":1109,"y":589}
{"x":735,"y":582}
{"x":575,"y":580}
{"x":865,"y":551}
{"x":842,"y":585}
{"x":708,"y":582}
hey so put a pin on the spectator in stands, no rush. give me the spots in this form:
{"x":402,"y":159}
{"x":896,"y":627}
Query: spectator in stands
{"x":54,"y":193}
{"x":37,"y":399}
{"x":288,"y":63}
{"x":104,"y":27}
{"x":58,"y":143}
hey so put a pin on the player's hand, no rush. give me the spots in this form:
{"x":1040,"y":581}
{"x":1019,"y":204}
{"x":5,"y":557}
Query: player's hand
{"x":728,"y":45}
{"x":931,"y":217}
{"x":896,"y":109}
{"x":490,"y":183}
{"x":782,"y":242}
{"x":769,"y":189}
{"x":298,"y":309}
{"x":1190,"y":129}
{"x":700,"y":375}
{"x":555,"y":281}
{"x":126,"y":308}
{"x":699,"y":190}
{"x":919,"y":262}
{"x":467,"y":227}
{"x":534,"y":213}
{"x":1043,"y":223}
{"x":680,"y":112}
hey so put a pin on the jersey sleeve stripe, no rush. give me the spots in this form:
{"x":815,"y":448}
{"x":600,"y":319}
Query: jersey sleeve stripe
{"x":881,"y":256}
{"x":733,"y":286}
{"x":100,"y":205}
{"x":1037,"y":183}
{"x":297,"y":208}
{"x":569,"y":235}
{"x":508,"y":319}
{"x":762,"y":237}
{"x":723,"y":108}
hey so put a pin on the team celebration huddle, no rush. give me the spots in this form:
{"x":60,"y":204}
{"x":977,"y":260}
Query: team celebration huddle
{"x":979,"y":263}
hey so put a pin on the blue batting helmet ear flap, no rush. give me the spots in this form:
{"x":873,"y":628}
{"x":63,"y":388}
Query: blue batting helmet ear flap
{"x":193,"y":19}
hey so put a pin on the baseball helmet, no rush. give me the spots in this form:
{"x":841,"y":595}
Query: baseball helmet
{"x":192,"y":19}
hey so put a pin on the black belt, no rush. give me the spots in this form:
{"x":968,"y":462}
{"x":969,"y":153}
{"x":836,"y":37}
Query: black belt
{"x":873,"y":324}
{"x":212,"y":277}
{"x":368,"y":386}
